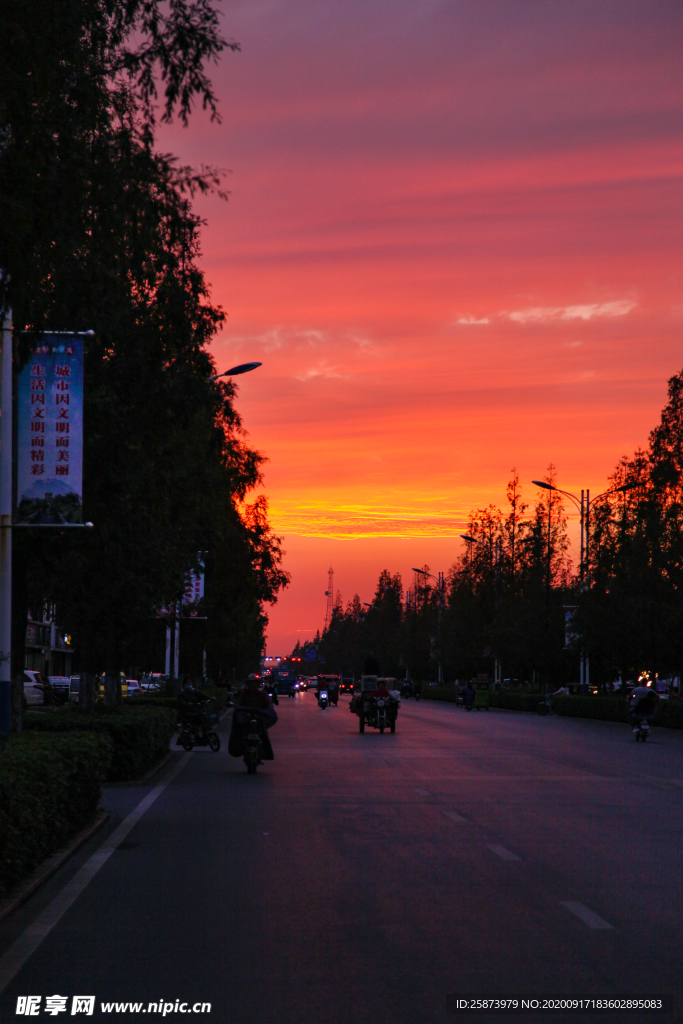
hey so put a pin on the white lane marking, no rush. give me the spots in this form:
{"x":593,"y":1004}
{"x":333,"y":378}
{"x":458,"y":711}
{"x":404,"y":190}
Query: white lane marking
{"x":420,"y":791}
{"x":27,"y":943}
{"x":501,"y":852}
{"x":454,"y":816}
{"x":589,"y":917}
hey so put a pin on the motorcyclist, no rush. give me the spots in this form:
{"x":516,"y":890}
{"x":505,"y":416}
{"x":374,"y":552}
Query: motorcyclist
{"x":252,"y":695}
{"x":190,"y":701}
{"x":190,"y":698}
{"x":643,"y":702}
{"x":380,"y":691}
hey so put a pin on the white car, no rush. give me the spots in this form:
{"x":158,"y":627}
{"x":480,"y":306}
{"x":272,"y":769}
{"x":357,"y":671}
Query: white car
{"x":150,"y":683}
{"x":134,"y":688}
{"x":34,"y":690}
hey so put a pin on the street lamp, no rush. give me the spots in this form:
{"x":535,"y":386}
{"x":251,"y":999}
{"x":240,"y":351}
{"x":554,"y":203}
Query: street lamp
{"x":584,"y":505}
{"x":439,"y":583}
{"x":235,"y":371}
{"x":495,"y":555}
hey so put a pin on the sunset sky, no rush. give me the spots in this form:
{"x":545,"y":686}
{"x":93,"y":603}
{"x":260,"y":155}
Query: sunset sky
{"x":454,"y":241}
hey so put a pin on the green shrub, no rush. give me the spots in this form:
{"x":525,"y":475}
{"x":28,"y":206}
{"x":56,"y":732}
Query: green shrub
{"x":49,"y":790}
{"x":515,"y":700}
{"x":447,"y":693}
{"x":140,"y":735}
{"x":669,"y":713}
{"x":598,"y":706}
{"x":218,"y":693}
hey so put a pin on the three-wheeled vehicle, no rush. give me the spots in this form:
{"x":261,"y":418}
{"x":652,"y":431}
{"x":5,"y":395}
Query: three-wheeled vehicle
{"x":378,"y":712}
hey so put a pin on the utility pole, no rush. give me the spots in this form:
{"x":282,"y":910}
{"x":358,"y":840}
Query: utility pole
{"x":329,"y":593}
{"x":176,"y":649}
{"x":6,"y":525}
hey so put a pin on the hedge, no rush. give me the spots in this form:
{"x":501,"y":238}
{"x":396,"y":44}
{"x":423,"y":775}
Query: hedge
{"x":446,"y":693}
{"x":154,"y":700}
{"x":49,"y":790}
{"x":515,"y":700}
{"x":140,"y":735}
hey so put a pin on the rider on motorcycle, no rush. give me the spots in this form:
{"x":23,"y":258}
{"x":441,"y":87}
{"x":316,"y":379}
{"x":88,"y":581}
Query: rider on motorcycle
{"x":190,"y":698}
{"x":252,"y":696}
{"x":380,"y":691}
{"x":643,"y":702}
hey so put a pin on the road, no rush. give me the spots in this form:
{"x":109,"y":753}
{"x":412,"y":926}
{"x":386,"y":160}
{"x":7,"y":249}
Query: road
{"x":365,"y":878}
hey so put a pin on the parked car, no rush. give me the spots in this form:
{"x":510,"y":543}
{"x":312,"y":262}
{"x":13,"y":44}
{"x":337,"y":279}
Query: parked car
{"x":134,"y":688}
{"x":34,"y":689}
{"x":150,"y":683}
{"x":60,"y":686}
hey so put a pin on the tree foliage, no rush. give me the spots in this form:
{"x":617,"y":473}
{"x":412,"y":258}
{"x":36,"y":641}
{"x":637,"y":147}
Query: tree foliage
{"x":97,"y":233}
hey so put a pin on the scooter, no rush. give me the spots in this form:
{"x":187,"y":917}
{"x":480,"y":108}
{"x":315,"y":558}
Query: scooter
{"x":642,"y":729}
{"x":323,"y":700}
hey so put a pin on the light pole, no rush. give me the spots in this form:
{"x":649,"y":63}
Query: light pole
{"x":439,"y":583}
{"x":584,"y":505}
{"x":494,"y":549}
{"x":6,"y":524}
{"x":235,"y":371}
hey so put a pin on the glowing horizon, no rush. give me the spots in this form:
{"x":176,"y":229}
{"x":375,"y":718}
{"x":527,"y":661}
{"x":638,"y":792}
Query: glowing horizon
{"x":453,"y":241}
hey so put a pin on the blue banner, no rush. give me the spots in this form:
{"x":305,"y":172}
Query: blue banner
{"x":50,"y":433}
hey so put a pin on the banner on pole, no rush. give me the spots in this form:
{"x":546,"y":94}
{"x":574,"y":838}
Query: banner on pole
{"x":194,"y":589}
{"x":50,"y":433}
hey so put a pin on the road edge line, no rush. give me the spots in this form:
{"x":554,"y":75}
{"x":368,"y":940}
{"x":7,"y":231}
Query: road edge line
{"x":28,"y":942}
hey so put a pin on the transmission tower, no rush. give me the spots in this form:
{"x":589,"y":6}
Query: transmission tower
{"x":329,"y":594}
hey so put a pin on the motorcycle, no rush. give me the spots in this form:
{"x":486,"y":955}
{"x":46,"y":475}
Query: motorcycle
{"x":323,"y":700}
{"x":641,"y":730}
{"x":249,"y":739}
{"x":378,"y":712}
{"x":199,"y":730}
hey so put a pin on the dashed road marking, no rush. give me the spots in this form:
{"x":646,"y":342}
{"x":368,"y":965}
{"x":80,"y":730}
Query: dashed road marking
{"x":501,"y":852}
{"x":454,"y":816}
{"x":420,"y":791}
{"x":589,"y":917}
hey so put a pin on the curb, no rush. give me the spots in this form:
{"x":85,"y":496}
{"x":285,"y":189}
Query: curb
{"x":48,"y":868}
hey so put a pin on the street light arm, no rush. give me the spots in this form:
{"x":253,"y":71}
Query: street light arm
{"x":422,"y":572}
{"x":551,"y":487}
{"x":614,"y":490}
{"x":235,"y":371}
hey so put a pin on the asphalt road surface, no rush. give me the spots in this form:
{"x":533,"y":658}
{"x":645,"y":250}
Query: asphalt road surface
{"x":365,"y":878}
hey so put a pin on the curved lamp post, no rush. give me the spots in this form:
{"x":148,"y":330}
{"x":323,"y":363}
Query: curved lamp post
{"x":584,"y":504}
{"x":439,"y":583}
{"x":235,"y":371}
{"x":495,"y":555}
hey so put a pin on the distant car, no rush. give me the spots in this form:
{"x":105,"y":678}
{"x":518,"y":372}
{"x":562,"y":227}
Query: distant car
{"x":134,"y":688}
{"x":346,"y":685}
{"x":61,"y":686}
{"x":34,"y":689}
{"x":286,"y":683}
{"x":150,"y":683}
